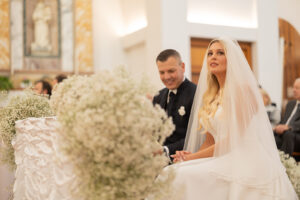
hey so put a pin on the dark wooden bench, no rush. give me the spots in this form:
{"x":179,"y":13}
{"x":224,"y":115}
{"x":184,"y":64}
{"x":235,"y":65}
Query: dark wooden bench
{"x":296,"y":154}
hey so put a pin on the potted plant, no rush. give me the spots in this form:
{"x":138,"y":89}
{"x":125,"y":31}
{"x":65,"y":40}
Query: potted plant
{"x":5,"y":83}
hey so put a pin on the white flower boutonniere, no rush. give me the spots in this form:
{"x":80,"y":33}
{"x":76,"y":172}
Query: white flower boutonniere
{"x":181,"y":111}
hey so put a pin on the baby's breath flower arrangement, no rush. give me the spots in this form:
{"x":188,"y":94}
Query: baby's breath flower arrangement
{"x":292,"y":170}
{"x":19,"y":107}
{"x":3,"y":96}
{"x":110,"y":131}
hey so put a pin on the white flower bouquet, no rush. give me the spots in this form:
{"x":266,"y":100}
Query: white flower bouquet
{"x":19,"y":107}
{"x":110,"y":131}
{"x":292,"y":170}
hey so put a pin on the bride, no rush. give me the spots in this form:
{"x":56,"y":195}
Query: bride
{"x":230,"y":151}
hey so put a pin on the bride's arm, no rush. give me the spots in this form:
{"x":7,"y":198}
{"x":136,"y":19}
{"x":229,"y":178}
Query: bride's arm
{"x":209,"y":140}
{"x":206,"y":150}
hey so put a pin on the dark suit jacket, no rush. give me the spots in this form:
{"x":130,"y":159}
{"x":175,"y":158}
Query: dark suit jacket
{"x":184,"y":97}
{"x":288,"y":111}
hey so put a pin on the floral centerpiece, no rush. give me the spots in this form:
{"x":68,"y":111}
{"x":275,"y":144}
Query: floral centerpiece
{"x":292,"y":170}
{"x":110,"y":131}
{"x":19,"y":107}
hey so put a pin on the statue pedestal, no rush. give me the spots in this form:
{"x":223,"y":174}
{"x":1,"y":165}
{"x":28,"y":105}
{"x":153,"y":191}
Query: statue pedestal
{"x":40,"y":50}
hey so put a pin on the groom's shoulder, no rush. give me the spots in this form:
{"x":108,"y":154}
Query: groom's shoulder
{"x":158,"y":96}
{"x":161,"y":92}
{"x":190,"y":87}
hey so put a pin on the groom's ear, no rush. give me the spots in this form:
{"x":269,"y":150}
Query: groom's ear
{"x":183,"y":66}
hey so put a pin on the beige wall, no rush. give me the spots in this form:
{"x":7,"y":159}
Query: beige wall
{"x":289,"y":11}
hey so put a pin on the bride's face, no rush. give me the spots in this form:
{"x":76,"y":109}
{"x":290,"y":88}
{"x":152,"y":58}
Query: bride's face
{"x":216,"y":59}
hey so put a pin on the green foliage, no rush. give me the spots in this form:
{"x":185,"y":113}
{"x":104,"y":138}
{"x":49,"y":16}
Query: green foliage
{"x":5,"y":83}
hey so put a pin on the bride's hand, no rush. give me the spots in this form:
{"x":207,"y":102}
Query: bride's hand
{"x":180,"y":156}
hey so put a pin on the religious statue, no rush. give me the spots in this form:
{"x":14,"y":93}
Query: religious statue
{"x":41,"y":17}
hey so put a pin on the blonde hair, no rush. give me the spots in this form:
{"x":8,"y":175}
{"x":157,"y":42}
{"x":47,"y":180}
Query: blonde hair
{"x":212,"y":97}
{"x":265,"y":94}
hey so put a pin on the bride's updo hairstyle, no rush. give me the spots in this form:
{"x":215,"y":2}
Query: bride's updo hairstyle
{"x":212,"y":96}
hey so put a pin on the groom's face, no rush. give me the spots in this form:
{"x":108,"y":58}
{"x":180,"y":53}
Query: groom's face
{"x":171,"y":72}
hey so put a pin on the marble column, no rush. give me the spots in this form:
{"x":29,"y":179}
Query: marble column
{"x":67,"y":35}
{"x":83,"y":36}
{"x":16,"y":20}
{"x":4,"y":35}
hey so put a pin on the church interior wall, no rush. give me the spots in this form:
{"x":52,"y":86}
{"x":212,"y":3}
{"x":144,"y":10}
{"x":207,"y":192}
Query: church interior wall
{"x":289,"y":11}
{"x":233,"y":13}
{"x":133,"y":15}
{"x":136,"y":59}
{"x":113,"y":23}
{"x":107,"y":30}
{"x":245,"y":21}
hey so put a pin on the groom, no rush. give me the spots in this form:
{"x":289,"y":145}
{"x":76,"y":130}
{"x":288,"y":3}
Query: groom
{"x":176,"y":98}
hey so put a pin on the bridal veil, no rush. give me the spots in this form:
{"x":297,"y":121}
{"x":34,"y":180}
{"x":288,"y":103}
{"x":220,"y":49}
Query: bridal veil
{"x":245,"y":147}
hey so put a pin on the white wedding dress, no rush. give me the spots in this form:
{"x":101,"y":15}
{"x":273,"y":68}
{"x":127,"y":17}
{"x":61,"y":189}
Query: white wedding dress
{"x":199,"y":180}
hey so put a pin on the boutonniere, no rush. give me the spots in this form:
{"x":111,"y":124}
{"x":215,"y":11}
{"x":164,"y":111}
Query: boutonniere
{"x":181,"y":111}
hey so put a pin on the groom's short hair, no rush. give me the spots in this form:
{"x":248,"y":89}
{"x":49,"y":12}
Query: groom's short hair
{"x":165,"y":54}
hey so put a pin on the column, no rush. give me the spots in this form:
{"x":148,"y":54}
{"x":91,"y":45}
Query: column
{"x":269,"y":69}
{"x":167,"y":28}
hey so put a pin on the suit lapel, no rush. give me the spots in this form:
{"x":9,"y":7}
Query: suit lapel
{"x":291,"y":108}
{"x":288,"y":112}
{"x":297,"y":117}
{"x":164,"y":95}
{"x":163,"y":102}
